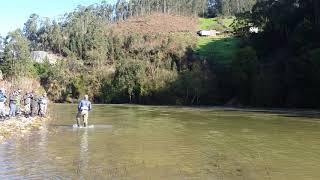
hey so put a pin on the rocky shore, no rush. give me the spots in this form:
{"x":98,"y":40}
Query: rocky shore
{"x":19,"y":127}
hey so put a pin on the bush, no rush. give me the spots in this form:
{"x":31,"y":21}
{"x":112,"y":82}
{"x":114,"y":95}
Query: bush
{"x":244,"y":69}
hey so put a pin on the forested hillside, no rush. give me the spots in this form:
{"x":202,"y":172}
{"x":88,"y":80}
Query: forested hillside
{"x":282,"y":60}
{"x":148,"y":52}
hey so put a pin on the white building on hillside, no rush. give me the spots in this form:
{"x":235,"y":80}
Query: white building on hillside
{"x":254,"y":30}
{"x":208,"y":33}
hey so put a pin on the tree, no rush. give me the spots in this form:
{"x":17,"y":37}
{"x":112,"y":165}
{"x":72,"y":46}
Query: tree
{"x":30,"y":30}
{"x":129,"y":78}
{"x":244,"y":69}
{"x":1,"y":48}
{"x":56,"y":38}
{"x":1,"y":43}
{"x":232,"y":7}
{"x":17,"y":59}
{"x":316,"y":5}
{"x":44,"y":34}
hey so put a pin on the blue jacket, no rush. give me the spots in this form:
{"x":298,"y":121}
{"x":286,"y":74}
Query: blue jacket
{"x":84,"y":105}
{"x":3,"y":97}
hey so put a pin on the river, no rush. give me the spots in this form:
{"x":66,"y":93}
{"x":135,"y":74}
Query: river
{"x":147,"y":142}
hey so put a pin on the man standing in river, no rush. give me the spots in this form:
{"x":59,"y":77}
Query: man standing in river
{"x":83,"y":111}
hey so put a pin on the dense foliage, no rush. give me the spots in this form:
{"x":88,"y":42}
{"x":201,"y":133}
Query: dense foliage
{"x":287,"y":46}
{"x":277,"y":66}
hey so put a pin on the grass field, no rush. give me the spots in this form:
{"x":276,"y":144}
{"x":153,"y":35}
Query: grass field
{"x":218,"y":23}
{"x":221,"y":49}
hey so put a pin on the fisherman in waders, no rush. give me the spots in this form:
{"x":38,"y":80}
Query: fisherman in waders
{"x":43,"y":104}
{"x":18,"y":101}
{"x":12,"y":104}
{"x":83,"y":111}
{"x":34,"y":104}
{"x":27,"y":104}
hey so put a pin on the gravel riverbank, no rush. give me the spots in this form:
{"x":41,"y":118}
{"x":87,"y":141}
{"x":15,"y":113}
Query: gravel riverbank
{"x":19,"y":126}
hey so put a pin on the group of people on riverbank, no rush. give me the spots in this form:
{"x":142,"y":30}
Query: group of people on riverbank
{"x":30,"y":104}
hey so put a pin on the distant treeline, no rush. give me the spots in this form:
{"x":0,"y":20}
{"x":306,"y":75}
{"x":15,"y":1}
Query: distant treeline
{"x":204,"y":8}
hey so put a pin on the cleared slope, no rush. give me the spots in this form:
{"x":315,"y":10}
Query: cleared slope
{"x":157,"y":23}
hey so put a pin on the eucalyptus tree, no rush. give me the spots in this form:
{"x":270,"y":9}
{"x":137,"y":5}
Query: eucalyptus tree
{"x":105,"y":11}
{"x":232,"y":7}
{"x":124,"y":8}
{"x":31,"y":29}
{"x":44,"y":34}
{"x":56,"y":38}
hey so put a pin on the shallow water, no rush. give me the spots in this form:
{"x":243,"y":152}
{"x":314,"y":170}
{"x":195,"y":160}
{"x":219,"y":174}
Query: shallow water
{"x":140,"y":142}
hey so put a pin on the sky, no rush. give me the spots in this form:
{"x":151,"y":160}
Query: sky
{"x":14,"y":13}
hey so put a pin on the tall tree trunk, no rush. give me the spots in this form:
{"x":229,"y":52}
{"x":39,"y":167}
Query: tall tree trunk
{"x":131,"y":11}
{"x":317,"y":13}
{"x":164,"y":6}
{"x":141,"y":8}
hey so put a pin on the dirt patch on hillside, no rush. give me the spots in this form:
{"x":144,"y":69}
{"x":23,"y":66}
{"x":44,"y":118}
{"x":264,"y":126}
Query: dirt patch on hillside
{"x":157,"y":23}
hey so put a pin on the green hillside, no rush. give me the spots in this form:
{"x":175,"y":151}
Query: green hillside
{"x":218,"y":23}
{"x":221,"y":48}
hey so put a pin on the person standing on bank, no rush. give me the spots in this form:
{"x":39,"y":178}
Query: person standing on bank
{"x":34,"y":104}
{"x":43,"y":104}
{"x":12,"y":104}
{"x":3,"y":99}
{"x":18,"y":101}
{"x":27,"y":104}
{"x":83,"y":111}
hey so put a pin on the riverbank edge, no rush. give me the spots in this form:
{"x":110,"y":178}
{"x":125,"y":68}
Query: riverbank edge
{"x":302,"y":111}
{"x":20,"y":126}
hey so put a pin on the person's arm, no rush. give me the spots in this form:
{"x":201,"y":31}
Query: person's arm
{"x":90,"y":106}
{"x":79,"y":106}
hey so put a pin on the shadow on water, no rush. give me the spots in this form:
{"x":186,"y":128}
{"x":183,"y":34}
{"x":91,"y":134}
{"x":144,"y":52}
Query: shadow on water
{"x":294,"y":113}
{"x":303,"y":115}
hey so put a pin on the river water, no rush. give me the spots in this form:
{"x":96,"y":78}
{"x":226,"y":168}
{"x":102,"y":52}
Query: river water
{"x":142,"y":142}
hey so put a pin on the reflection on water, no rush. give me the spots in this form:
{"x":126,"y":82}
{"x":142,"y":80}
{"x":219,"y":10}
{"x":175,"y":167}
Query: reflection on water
{"x":83,"y":157}
{"x":137,"y":142}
